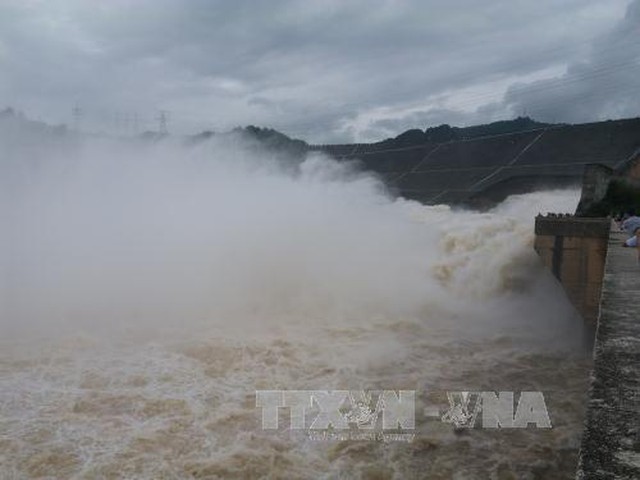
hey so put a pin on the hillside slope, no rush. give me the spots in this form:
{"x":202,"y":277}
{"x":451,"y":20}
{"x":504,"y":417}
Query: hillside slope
{"x":486,"y":169}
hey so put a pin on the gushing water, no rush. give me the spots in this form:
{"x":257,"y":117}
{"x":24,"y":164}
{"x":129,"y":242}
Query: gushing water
{"x":149,"y":290}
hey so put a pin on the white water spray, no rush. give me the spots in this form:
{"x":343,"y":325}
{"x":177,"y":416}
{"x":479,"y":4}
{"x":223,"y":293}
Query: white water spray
{"x":148,"y":290}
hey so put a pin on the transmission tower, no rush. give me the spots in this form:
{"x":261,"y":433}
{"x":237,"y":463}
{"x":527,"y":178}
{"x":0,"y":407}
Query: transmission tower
{"x":77,"y":116}
{"x":163,"y":118}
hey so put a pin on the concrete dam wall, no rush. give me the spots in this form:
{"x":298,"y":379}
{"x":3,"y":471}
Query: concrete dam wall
{"x":602,"y":281}
{"x":484,"y":170}
{"x":611,"y":440}
{"x":575,"y":250}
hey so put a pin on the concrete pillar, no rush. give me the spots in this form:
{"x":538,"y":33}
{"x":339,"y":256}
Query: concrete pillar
{"x":595,"y":182}
{"x":575,"y":249}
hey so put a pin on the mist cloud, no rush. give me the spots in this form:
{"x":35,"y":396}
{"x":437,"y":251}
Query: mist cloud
{"x":106,"y":236}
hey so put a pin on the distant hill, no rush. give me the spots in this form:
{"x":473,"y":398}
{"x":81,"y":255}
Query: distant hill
{"x":447,"y":133}
{"x":273,"y":140}
{"x":481,"y":165}
{"x":14,"y":121}
{"x":35,"y":137}
{"x":477,"y":165}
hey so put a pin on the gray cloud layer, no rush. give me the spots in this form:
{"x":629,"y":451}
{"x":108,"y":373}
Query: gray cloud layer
{"x":604,"y":85}
{"x":330,"y":70}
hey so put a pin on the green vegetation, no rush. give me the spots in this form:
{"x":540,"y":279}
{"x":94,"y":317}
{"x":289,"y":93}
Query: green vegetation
{"x":447,"y":133}
{"x":274,"y":140}
{"x":621,"y":197}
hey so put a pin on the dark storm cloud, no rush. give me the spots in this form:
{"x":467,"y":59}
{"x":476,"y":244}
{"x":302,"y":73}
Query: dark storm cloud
{"x":330,"y":70}
{"x":606,"y":85}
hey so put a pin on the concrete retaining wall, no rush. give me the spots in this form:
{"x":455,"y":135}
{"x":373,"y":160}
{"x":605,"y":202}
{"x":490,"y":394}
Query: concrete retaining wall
{"x":574,"y":249}
{"x":611,"y":441}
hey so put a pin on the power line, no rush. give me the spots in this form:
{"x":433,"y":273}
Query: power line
{"x":470,"y":101}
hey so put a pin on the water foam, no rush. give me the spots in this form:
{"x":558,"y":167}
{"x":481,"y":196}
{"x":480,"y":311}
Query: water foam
{"x":152,"y":289}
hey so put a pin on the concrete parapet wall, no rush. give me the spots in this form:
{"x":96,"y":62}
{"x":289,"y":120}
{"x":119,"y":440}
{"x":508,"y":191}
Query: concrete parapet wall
{"x":570,"y":226}
{"x":611,"y":441}
{"x":575,"y":249}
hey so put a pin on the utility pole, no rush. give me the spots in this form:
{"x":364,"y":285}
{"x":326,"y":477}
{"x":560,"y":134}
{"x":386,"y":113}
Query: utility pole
{"x":163,"y":118}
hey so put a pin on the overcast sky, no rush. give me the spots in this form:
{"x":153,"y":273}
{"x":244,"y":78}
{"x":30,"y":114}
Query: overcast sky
{"x":323,"y":70}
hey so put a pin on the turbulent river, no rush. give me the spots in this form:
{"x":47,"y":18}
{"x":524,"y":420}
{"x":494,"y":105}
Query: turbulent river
{"x":149,"y":291}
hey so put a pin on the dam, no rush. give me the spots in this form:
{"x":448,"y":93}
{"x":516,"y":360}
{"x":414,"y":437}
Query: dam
{"x":480,"y":169}
{"x":602,"y":280}
{"x":144,"y":386}
{"x":611,"y":441}
{"x":583,"y":251}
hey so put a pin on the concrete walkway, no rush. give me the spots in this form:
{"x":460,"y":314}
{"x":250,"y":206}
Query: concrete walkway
{"x":611,"y":439}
